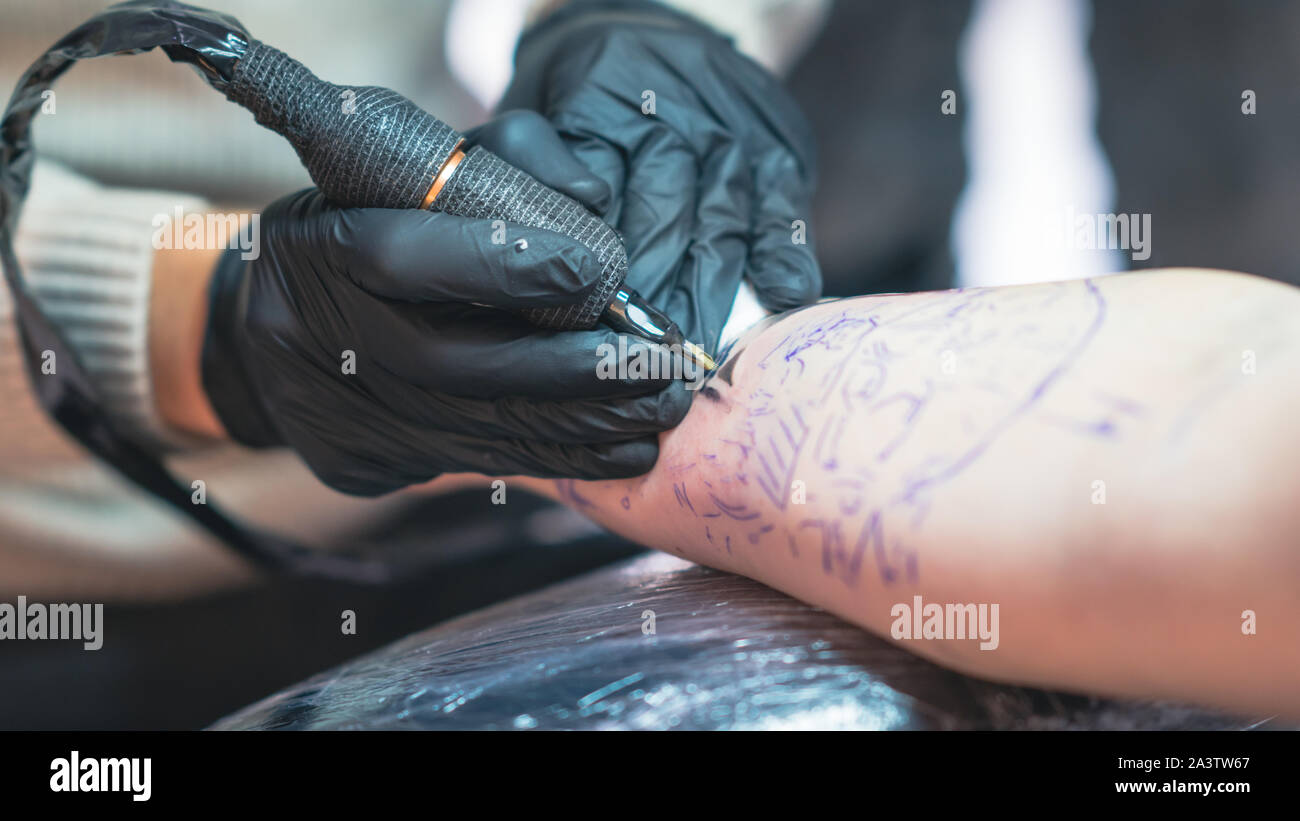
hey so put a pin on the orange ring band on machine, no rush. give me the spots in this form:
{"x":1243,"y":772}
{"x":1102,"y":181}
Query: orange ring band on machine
{"x":444,"y":174}
{"x":629,"y":297}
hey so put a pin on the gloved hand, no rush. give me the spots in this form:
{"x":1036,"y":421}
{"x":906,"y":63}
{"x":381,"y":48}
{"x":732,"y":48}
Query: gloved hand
{"x":352,"y":340}
{"x":706,"y":176}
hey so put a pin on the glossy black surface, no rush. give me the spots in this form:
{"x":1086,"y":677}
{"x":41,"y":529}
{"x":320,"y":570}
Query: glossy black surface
{"x":726,"y":653}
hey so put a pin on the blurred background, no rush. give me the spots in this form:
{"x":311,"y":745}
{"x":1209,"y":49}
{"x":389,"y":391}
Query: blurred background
{"x":955,"y":139}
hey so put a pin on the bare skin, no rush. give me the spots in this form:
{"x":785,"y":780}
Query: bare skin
{"x":178,"y":310}
{"x":1111,"y":462}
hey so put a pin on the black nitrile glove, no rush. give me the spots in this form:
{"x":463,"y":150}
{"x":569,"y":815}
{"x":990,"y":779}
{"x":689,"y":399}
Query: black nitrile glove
{"x":704,"y":189}
{"x":438,"y":384}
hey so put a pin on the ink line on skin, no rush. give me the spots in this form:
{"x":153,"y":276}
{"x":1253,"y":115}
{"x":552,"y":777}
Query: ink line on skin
{"x":727,"y":361}
{"x":862,"y":533}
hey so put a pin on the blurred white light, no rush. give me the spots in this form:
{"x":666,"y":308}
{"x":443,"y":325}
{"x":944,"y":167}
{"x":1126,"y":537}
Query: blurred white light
{"x":481,"y":45}
{"x":1034,"y":160}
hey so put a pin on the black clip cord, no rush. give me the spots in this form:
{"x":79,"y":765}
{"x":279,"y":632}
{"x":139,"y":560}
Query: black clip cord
{"x":213,"y":43}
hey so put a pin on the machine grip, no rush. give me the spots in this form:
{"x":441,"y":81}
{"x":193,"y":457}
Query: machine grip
{"x":487,"y":187}
{"x":371,"y":147}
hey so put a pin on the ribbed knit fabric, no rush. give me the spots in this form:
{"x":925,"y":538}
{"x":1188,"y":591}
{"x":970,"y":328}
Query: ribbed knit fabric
{"x":87,"y":255}
{"x":70,"y":527}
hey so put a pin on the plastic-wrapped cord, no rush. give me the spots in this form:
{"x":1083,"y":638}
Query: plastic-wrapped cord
{"x":372,"y":147}
{"x":386,"y":157}
{"x":211,"y":42}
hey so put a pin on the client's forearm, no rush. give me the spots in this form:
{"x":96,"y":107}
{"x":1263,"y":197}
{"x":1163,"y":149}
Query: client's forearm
{"x":1111,"y":463}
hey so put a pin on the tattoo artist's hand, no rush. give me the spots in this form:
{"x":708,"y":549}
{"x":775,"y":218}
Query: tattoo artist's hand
{"x":354,"y":340}
{"x":709,"y":161}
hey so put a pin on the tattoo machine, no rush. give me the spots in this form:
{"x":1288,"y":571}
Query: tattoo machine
{"x":371,"y":147}
{"x":362,"y":146}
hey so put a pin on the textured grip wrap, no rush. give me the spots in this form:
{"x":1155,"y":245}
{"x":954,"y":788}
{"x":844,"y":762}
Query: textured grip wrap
{"x":363,"y":146}
{"x":488,"y":187}
{"x":371,"y":147}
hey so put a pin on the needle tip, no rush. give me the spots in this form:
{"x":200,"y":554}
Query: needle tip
{"x":697,"y":353}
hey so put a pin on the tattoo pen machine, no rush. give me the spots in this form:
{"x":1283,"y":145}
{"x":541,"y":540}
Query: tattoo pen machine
{"x":371,"y":147}
{"x":363,"y":146}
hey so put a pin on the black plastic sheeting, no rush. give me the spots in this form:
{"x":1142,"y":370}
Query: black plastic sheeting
{"x":726,"y":653}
